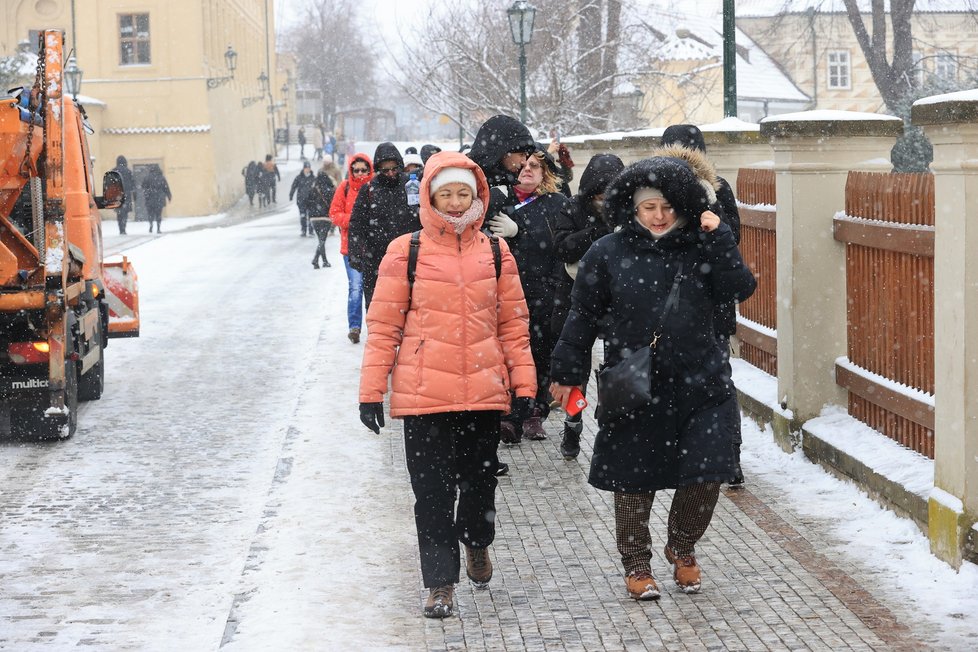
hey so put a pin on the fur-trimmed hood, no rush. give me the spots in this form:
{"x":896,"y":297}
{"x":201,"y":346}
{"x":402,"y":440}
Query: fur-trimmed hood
{"x":673,"y":176}
{"x":702,"y":166}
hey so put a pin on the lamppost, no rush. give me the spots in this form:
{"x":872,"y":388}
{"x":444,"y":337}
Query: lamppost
{"x":266,"y":88}
{"x":729,"y":60}
{"x":521,"y":16}
{"x":73,"y":77}
{"x":285,"y":103}
{"x":231,"y":61}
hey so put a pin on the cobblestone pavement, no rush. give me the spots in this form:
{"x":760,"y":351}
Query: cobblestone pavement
{"x":558,"y":582}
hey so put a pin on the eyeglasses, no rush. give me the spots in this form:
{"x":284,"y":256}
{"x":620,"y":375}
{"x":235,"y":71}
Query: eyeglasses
{"x":388,"y":170}
{"x":360,"y":170}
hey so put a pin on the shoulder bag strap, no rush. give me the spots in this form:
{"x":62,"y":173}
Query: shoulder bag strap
{"x":671,"y":301}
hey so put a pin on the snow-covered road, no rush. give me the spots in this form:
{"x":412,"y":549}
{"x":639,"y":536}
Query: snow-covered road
{"x":151,"y":528}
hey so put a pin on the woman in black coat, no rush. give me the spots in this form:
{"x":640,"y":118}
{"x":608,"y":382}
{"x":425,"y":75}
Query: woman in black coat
{"x":156,"y":193}
{"x":682,"y":439}
{"x":317,"y":203}
{"x":529,"y":231}
{"x":578,"y":226}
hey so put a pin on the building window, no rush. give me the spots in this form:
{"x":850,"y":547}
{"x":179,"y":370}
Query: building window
{"x":946,"y":67}
{"x":839,"y":69}
{"x":133,"y":39}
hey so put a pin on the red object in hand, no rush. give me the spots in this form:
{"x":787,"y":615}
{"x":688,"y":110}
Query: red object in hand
{"x":575,"y":402}
{"x":563,"y":155}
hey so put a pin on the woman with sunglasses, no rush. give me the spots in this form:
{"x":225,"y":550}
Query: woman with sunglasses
{"x":360,"y":173}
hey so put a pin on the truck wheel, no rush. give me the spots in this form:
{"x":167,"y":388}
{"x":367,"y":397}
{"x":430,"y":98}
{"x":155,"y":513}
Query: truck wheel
{"x":32,"y":424}
{"x":91,"y":384}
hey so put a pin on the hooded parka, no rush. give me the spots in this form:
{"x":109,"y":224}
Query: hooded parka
{"x":459,"y":341}
{"x":578,"y":226}
{"x":684,"y":436}
{"x":498,"y":136}
{"x":379,"y":215}
{"x":346,"y":196}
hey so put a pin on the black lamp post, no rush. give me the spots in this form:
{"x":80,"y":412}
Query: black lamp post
{"x":73,"y":77}
{"x":231,"y":61}
{"x":521,"y":16}
{"x":729,"y":60}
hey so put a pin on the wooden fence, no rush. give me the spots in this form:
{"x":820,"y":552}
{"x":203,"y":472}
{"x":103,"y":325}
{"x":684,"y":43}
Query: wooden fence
{"x":756,"y":201}
{"x":888,"y":229}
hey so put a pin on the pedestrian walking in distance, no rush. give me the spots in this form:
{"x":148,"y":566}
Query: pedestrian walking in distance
{"x":252,"y":179}
{"x":301,"y":186}
{"x":453,"y":336}
{"x":301,"y":137}
{"x":129,"y":187}
{"x":156,"y":193}
{"x":360,"y":172}
{"x":650,"y":289}
{"x":317,"y":206}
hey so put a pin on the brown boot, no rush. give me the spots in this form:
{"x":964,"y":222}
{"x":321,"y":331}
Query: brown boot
{"x":440,"y":602}
{"x":478,"y":566}
{"x":641,"y":585}
{"x":533,"y":426}
{"x":686,"y":571}
{"x":354,"y":335}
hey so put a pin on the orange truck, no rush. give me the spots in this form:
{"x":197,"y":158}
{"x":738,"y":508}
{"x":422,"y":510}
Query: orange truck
{"x":59,"y":300}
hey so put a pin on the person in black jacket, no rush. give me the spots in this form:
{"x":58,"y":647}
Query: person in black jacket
{"x":501,"y":147}
{"x":301,"y":186}
{"x":531,"y":240}
{"x":380,"y":214}
{"x":682,"y":438}
{"x":687,"y":142}
{"x":578,"y":226}
{"x":129,"y":186}
{"x":156,"y":192}
{"x":317,"y":203}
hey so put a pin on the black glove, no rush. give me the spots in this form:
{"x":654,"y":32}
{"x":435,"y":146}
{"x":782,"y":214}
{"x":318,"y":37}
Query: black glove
{"x":523,"y":407}
{"x":372,"y":416}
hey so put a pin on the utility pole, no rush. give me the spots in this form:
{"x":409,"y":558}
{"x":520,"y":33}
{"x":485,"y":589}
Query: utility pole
{"x":729,"y":60}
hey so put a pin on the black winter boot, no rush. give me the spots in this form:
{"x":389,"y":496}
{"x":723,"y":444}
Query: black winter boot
{"x":738,"y":479}
{"x":570,"y":445}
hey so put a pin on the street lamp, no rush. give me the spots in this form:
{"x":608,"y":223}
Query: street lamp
{"x":263,"y":82}
{"x":231,"y":61}
{"x":521,"y":16}
{"x":73,"y":77}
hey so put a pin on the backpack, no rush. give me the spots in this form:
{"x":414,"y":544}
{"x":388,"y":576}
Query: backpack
{"x":497,"y":259}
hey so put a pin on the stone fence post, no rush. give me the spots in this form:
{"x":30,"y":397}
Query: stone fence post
{"x":813,"y":154}
{"x":951,"y":124}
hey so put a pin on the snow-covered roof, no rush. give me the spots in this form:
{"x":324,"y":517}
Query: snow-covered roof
{"x":761,"y":8}
{"x":960,"y":96}
{"x":180,"y":129}
{"x":730,"y":124}
{"x":698,"y":35}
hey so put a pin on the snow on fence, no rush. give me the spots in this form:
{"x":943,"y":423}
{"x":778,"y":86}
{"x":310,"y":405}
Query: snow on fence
{"x":756,"y":202}
{"x":888,"y":230}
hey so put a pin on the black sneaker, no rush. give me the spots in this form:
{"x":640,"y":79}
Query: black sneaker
{"x":502,"y":469}
{"x":570,"y":446}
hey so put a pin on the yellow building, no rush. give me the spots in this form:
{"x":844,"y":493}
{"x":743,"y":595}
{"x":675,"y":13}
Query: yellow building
{"x":819,"y":51}
{"x":158,"y":89}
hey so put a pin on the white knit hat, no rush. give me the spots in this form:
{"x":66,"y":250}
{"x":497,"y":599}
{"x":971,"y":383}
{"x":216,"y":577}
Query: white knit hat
{"x":453,"y":175}
{"x":644,"y":193}
{"x":413,"y":159}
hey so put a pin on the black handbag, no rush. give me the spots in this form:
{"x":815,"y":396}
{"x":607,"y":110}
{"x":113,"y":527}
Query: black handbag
{"x":627,"y":386}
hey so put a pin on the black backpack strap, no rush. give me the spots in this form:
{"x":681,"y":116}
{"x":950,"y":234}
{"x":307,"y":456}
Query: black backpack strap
{"x":413,"y":263}
{"x":497,"y":254}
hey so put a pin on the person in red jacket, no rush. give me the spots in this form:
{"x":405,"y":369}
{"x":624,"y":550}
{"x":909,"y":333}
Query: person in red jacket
{"x":360,"y":172}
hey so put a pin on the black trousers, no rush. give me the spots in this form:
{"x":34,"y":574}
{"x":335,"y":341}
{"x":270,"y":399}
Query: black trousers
{"x":322,"y":232}
{"x":451,"y":455}
{"x":542,"y":344}
{"x":369,"y":282}
{"x":121,"y":217}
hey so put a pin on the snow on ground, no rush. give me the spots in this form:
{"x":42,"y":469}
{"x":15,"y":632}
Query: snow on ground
{"x":868,"y":536}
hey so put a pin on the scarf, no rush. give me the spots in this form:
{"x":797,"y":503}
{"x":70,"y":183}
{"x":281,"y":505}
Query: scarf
{"x":463,"y":221}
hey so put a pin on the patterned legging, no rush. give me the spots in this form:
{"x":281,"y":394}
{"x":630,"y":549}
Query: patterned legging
{"x":689,"y":516}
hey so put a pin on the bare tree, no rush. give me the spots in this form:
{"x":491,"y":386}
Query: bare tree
{"x":893,"y":78}
{"x":465,"y":64}
{"x":333,"y":55}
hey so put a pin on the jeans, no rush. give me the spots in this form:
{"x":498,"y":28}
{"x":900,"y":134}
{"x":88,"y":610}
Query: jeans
{"x":354,"y":300}
{"x":451,"y":455}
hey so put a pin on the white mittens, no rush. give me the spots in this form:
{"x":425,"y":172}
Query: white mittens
{"x":503,"y":226}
